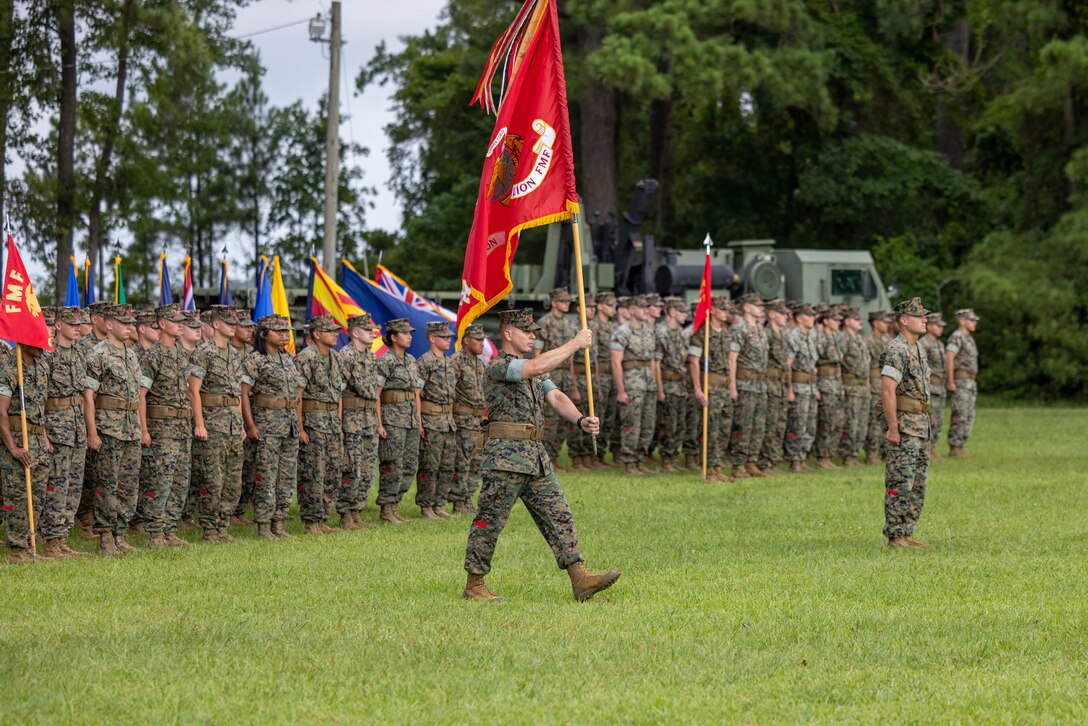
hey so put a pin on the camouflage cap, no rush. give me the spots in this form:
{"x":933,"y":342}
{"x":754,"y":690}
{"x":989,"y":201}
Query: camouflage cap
{"x":206,"y":317}
{"x":560,"y":294}
{"x":722,"y":302}
{"x":49,"y":314}
{"x":852,"y":314}
{"x":822,"y":310}
{"x":223,"y":313}
{"x":521,"y":319}
{"x":323,"y":324}
{"x":119,"y":313}
{"x":439,"y":328}
{"x":274,"y":322}
{"x":399,"y":325}
{"x":803,"y":309}
{"x":591,"y":302}
{"x":652,"y":299}
{"x":966,"y":314}
{"x":70,"y":315}
{"x":676,"y":303}
{"x":171,"y":313}
{"x":192,"y":319}
{"x":777,"y":305}
{"x":362,"y":320}
{"x":935,"y":319}
{"x":750,"y":298}
{"x":99,"y":307}
{"x":245,"y":321}
{"x":625,"y":301}
{"x":606,"y":298}
{"x":912,"y":308}
{"x":147,"y":319}
{"x":475,"y":331}
{"x":876,"y":315}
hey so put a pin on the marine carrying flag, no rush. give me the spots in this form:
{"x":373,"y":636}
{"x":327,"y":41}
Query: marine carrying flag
{"x":702,"y":310}
{"x":528,"y":172}
{"x":21,"y":319}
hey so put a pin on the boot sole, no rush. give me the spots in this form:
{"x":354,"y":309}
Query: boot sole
{"x":605,"y":584}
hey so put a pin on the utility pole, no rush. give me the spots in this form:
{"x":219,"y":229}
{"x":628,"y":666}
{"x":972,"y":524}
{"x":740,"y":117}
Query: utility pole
{"x":332,"y":133}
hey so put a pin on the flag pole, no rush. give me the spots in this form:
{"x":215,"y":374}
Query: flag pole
{"x":26,"y":447}
{"x":582,"y":317}
{"x":706,"y":366}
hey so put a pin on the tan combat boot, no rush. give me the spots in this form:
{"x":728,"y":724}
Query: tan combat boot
{"x":587,"y":584}
{"x":825,"y":463}
{"x":754,"y":471}
{"x":667,"y":465}
{"x":71,"y":552}
{"x":388,"y":515}
{"x":427,"y":513}
{"x":23,"y":555}
{"x":633,"y":470}
{"x":741,"y":472}
{"x":211,"y":535}
{"x":108,"y":546}
{"x":898,"y":542}
{"x":577,"y":463}
{"x":851,"y":462}
{"x":172,"y":540}
{"x":440,"y":512}
{"x":400,"y":517}
{"x":911,"y":542}
{"x":311,"y":528}
{"x":279,"y":529}
{"x":797,"y":467}
{"x":157,"y":541}
{"x":872,"y":456}
{"x":52,"y":549}
{"x":224,"y":535}
{"x":264,"y":530}
{"x":475,"y":589}
{"x":122,"y":544}
{"x":956,"y":452}
{"x":87,"y":532}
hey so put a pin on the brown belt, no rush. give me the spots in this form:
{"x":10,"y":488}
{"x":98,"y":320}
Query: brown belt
{"x":467,"y":410}
{"x":59,"y":404}
{"x":214,"y":400}
{"x":936,"y":380}
{"x":165,"y":412}
{"x":437,"y":409}
{"x":961,"y":375}
{"x":355,"y":403}
{"x":850,"y":380}
{"x":830,"y":369}
{"x":910,"y":405}
{"x":16,"y":425}
{"x":629,"y":365}
{"x":397,"y":396}
{"x":717,"y":380}
{"x":801,"y":377}
{"x":113,"y":403}
{"x":262,"y":400}
{"x":507,"y":430}
{"x":671,"y":375}
{"x":774,"y":374}
{"x":749,"y":374}
{"x":311,"y":405}
{"x":605,"y":368}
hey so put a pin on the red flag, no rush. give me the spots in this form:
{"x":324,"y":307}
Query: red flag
{"x":21,"y":318}
{"x":528,"y":174}
{"x":705,"y":295}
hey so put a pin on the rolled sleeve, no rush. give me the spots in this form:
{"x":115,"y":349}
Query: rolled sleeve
{"x":514,"y":370}
{"x":248,"y":380}
{"x":5,"y":391}
{"x":615,"y":345}
{"x":380,"y":380}
{"x":197,"y":372}
{"x":952,"y":347}
{"x":548,"y":386}
{"x":658,"y":355}
{"x":891,"y":372}
{"x":734,"y":346}
{"x":695,"y":352}
{"x":146,"y":382}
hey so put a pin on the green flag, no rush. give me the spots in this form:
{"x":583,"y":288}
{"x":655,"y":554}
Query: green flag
{"x":118,"y":283}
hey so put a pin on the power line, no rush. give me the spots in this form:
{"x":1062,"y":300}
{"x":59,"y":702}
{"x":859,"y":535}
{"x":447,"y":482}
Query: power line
{"x":271,"y":30}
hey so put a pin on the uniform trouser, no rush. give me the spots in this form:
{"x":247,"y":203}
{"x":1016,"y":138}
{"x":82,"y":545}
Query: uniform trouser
{"x":855,"y":420}
{"x":672,"y":418}
{"x":319,"y":475}
{"x":116,"y":484}
{"x":637,"y":425}
{"x":85,"y":508}
{"x":275,"y":467}
{"x":774,"y":429}
{"x":249,"y":471}
{"x":361,"y":457}
{"x":546,"y":504}
{"x":217,"y":478}
{"x":963,"y":412}
{"x":719,"y":426}
{"x":557,"y":430}
{"x":581,"y":443}
{"x":179,"y":489}
{"x":158,"y":467}
{"x":66,"y":480}
{"x":466,"y":470}
{"x":905,"y":485}
{"x":749,"y":418}
{"x":437,"y":459}
{"x":828,"y":423}
{"x":606,"y":411}
{"x":800,"y":425}
{"x":693,"y":427}
{"x":874,"y":437}
{"x":936,"y":418}
{"x":398,"y":458}
{"x":16,"y":516}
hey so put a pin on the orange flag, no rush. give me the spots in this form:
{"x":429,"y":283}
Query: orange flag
{"x":702,"y":311}
{"x":528,"y":174}
{"x":21,"y":318}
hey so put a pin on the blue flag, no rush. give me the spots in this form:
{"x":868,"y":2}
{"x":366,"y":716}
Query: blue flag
{"x":384,"y":307}
{"x":71,"y":295}
{"x":224,"y":286}
{"x":166,"y":294}
{"x":88,"y":293}
{"x":263,"y":305}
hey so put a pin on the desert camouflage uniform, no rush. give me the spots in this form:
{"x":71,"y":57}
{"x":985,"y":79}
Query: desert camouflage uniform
{"x":907,"y":465}
{"x":85,"y":507}
{"x":469,"y":408}
{"x":554,"y":332}
{"x":874,"y":438}
{"x":437,"y":448}
{"x":68,"y":434}
{"x":801,"y":424}
{"x":638,"y":414}
{"x":672,"y":351}
{"x":398,"y":452}
{"x":35,"y":391}
{"x":962,"y":344}
{"x":934,"y":350}
{"x":518,"y":469}
{"x":750,"y":344}
{"x":217,"y":462}
{"x":774,"y":430}
{"x":855,"y":386}
{"x":113,"y":371}
{"x":604,"y":387}
{"x":165,"y":375}
{"x":720,"y":415}
{"x":829,"y":409}
{"x":320,"y":460}
{"x":276,"y":462}
{"x":360,"y":425}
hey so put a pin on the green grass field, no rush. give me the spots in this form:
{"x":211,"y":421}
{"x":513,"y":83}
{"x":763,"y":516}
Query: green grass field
{"x":769,"y":601}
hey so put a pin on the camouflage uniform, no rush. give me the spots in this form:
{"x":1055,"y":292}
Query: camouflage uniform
{"x":603,"y":385}
{"x":693,"y":415}
{"x":750,"y":344}
{"x":554,"y":331}
{"x":83,"y":347}
{"x":35,"y":390}
{"x":774,"y":431}
{"x":874,"y":440}
{"x":274,"y":382}
{"x":855,"y":385}
{"x":720,"y":414}
{"x":935,"y":357}
{"x":438,"y":447}
{"x":518,"y":469}
{"x":169,"y":423}
{"x":965,"y":364}
{"x":672,"y":349}
{"x":319,"y":461}
{"x":907,"y":465}
{"x":360,"y":419}
{"x":638,"y":414}
{"x":182,"y":501}
{"x":580,"y":443}
{"x":217,"y":462}
{"x":829,"y":383}
{"x":469,"y":409}
{"x":801,"y":424}
{"x":398,"y":452}
{"x":68,"y":434}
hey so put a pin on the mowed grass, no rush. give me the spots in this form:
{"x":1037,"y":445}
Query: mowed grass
{"x":770,"y":601}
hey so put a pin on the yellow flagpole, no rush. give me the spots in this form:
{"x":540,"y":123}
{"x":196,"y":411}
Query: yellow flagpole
{"x":582,"y":317}
{"x":706,"y":388}
{"x":26,"y":446}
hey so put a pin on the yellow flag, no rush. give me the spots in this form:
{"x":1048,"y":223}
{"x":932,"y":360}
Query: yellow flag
{"x":279,"y":299}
